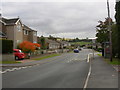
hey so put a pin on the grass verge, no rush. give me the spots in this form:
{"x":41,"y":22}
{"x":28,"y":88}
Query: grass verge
{"x":114,"y":62}
{"x":99,"y":54}
{"x":48,"y":56}
{"x":9,"y":62}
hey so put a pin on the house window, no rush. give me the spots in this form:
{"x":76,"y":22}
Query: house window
{"x":19,"y":27}
{"x":35,"y":33}
{"x":26,"y":32}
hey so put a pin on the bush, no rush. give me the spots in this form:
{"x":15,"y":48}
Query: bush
{"x":28,"y":47}
{"x":99,"y":49}
{"x":7,"y":46}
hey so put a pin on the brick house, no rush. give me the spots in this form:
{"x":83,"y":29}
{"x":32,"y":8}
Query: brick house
{"x":29,"y":34}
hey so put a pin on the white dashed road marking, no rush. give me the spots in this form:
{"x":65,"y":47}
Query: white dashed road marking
{"x":10,"y":70}
{"x":13,"y":69}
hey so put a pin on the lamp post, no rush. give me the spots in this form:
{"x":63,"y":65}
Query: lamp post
{"x":109,"y":29}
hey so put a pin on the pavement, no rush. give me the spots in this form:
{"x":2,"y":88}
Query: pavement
{"x":70,"y":70}
{"x":103,"y":75}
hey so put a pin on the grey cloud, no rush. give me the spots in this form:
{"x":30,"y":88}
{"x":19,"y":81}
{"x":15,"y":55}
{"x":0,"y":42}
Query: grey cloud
{"x":60,"y":18}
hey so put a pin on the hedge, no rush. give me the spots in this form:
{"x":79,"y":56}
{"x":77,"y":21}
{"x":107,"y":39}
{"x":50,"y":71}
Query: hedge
{"x":7,"y":46}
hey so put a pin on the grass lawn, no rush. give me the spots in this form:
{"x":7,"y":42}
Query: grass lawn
{"x":9,"y":62}
{"x":99,"y":54}
{"x":81,"y":43}
{"x":114,"y":62}
{"x":48,"y":56}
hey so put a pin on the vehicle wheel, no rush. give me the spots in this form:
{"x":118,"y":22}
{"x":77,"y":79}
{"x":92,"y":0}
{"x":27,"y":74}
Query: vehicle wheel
{"x":16,"y":58}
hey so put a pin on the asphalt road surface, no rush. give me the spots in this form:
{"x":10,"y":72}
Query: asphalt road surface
{"x":66,"y":71}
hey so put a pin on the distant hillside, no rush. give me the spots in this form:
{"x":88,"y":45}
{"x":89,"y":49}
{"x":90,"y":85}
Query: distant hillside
{"x":81,"y":43}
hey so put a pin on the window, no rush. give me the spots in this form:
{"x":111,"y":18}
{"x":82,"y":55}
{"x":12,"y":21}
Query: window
{"x":35,"y":33}
{"x":19,"y":27}
{"x":26,"y":32}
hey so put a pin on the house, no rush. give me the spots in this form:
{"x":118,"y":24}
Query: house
{"x":13,"y":30}
{"x":52,"y":44}
{"x":16,"y":31}
{"x":49,"y":43}
{"x":29,"y":34}
{"x":64,"y":44}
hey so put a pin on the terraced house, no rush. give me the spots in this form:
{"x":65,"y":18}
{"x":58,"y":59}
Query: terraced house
{"x":16,"y":31}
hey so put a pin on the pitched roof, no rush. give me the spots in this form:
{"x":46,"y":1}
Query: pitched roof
{"x":26,"y":27}
{"x":10,"y":21}
{"x":63,"y":42}
{"x":51,"y":41}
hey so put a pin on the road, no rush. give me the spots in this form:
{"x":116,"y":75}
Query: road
{"x":66,"y":71}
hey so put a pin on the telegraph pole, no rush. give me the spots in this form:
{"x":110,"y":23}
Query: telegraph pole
{"x":109,"y":29}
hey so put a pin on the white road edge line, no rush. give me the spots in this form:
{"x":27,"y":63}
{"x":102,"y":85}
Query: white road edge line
{"x":23,"y":67}
{"x":0,"y":71}
{"x":10,"y":70}
{"x":88,"y":58}
{"x":89,"y":73}
{"x":4,"y":72}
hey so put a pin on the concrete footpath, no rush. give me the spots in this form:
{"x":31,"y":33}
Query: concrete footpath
{"x":103,"y":75}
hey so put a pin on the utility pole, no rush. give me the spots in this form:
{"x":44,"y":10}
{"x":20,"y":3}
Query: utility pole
{"x":109,"y":29}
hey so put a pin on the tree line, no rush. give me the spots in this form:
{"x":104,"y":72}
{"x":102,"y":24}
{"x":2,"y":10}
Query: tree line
{"x":103,"y":33}
{"x":80,"y":40}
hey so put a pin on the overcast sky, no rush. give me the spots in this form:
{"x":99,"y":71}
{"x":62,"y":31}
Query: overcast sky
{"x":66,"y":18}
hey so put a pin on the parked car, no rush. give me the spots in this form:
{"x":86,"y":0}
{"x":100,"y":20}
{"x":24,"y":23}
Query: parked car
{"x":18,"y":54}
{"x":76,"y":50}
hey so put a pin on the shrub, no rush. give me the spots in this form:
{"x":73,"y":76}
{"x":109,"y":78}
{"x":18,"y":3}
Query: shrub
{"x":6,"y":45}
{"x":28,"y":47}
{"x":37,"y":45}
{"x":99,"y":49}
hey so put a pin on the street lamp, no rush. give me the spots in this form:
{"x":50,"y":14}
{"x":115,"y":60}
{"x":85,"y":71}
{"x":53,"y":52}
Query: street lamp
{"x":109,"y":29}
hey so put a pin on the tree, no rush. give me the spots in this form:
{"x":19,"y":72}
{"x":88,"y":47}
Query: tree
{"x":103,"y":35}
{"x":42,"y":42}
{"x":102,"y":31}
{"x":36,"y":45}
{"x":28,"y":47}
{"x":52,"y":38}
{"x":63,"y":39}
{"x":114,"y":40}
{"x":117,"y":17}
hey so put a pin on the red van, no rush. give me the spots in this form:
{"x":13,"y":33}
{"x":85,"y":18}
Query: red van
{"x":18,"y":54}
